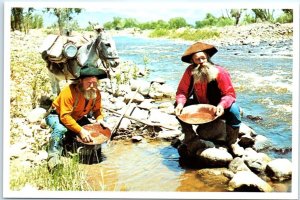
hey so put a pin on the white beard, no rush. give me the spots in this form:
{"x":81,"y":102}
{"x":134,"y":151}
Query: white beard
{"x":204,"y":74}
{"x":90,"y":94}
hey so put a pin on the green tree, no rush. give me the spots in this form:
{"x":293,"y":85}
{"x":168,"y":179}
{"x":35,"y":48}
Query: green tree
{"x":286,"y":17}
{"x":236,"y":13}
{"x":130,"y":23}
{"x":263,"y":15}
{"x":177,"y":22}
{"x":117,"y":23}
{"x":64,"y":16}
{"x":209,"y":20}
{"x":16,"y":19}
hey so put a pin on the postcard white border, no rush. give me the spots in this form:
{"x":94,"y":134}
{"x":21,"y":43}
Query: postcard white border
{"x":153,"y":195}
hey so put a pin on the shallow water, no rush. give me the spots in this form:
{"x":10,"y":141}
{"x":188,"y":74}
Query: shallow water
{"x":151,"y":166}
{"x":154,"y":166}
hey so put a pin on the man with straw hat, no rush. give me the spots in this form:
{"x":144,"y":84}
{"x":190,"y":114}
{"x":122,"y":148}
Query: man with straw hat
{"x":208,"y":84}
{"x":68,"y":112}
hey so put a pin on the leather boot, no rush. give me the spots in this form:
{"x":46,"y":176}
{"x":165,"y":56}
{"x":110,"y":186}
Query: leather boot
{"x":232,"y":135}
{"x":54,"y":154}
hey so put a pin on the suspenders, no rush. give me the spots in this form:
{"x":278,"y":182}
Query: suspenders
{"x":76,"y":102}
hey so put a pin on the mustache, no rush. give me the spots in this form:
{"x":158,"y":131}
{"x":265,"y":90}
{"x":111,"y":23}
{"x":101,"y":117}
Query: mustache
{"x":91,"y":89}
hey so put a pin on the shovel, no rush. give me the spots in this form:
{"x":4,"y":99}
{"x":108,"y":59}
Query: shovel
{"x":122,"y":115}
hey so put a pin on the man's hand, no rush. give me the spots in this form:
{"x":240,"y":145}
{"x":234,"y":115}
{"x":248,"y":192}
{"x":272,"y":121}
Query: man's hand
{"x":220,"y":110}
{"x":178,"y":109}
{"x":103,"y":123}
{"x":85,"y":135}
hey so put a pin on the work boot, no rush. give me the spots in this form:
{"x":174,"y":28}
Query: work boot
{"x":232,"y":135}
{"x":54,"y":154}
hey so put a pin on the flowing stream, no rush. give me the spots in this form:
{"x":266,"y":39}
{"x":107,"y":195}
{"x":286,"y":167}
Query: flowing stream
{"x":264,"y":88}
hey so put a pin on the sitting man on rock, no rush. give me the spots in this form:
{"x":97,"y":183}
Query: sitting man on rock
{"x":69,"y":110}
{"x":207,"y":83}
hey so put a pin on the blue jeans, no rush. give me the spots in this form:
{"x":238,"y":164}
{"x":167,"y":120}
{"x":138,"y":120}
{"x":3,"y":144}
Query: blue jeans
{"x":58,"y":129}
{"x":59,"y":132}
{"x":232,"y":116}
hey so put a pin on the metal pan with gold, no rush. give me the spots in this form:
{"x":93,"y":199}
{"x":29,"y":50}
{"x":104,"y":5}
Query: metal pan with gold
{"x":98,"y":133}
{"x":198,"y":114}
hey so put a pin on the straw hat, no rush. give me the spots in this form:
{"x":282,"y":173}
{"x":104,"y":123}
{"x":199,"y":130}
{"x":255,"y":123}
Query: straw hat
{"x":197,"y":47}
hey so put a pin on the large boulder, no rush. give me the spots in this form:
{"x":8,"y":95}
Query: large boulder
{"x":257,"y":162}
{"x":247,"y":181}
{"x":214,"y":157}
{"x":237,"y":165}
{"x":279,"y":169}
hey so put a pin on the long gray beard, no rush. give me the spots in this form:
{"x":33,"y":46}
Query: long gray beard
{"x":203,"y":73}
{"x":90,"y":94}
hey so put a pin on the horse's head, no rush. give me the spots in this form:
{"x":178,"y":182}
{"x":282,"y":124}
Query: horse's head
{"x":107,"y":51}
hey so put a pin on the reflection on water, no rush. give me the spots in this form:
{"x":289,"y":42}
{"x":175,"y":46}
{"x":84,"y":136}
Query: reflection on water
{"x":152,"y":166}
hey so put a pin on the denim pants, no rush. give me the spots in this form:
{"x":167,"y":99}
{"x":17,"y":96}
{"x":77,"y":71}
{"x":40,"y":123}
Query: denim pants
{"x":59,"y":131}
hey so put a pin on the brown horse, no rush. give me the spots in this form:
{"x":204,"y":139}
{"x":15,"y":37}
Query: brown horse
{"x":66,"y":55}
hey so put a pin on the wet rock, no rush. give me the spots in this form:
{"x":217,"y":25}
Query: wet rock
{"x":255,"y":161}
{"x":254,"y":118}
{"x":279,"y":169}
{"x":246,"y":141}
{"x":261,"y":142}
{"x":246,"y":181}
{"x":215,"y":157}
{"x":237,"y":164}
{"x":136,"y":138}
{"x":246,"y":130}
{"x":158,"y":80}
{"x":214,"y":177}
{"x":237,"y":150}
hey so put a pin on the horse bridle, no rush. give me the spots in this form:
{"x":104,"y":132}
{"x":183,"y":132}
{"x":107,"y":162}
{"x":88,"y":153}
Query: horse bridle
{"x":104,"y":60}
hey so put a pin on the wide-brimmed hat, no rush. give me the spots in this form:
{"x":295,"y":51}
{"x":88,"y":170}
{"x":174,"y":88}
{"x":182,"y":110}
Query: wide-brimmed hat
{"x":92,"y":71}
{"x":197,"y":47}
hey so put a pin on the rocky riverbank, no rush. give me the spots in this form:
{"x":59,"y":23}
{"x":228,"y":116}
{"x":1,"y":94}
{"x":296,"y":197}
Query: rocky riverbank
{"x":233,"y":35}
{"x":149,"y":116}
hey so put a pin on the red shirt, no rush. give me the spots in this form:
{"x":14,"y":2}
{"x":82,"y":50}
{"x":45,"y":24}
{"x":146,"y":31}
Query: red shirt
{"x":224,"y":84}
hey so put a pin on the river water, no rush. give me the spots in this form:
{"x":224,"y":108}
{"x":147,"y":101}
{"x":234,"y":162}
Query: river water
{"x":263,"y":85}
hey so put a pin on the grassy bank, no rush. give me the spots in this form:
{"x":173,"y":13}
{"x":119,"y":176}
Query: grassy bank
{"x":186,"y":34}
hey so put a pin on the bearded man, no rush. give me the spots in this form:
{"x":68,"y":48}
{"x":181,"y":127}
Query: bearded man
{"x":69,"y":110}
{"x":208,"y":84}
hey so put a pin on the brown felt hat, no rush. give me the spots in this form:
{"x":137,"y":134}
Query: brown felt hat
{"x":197,"y":47}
